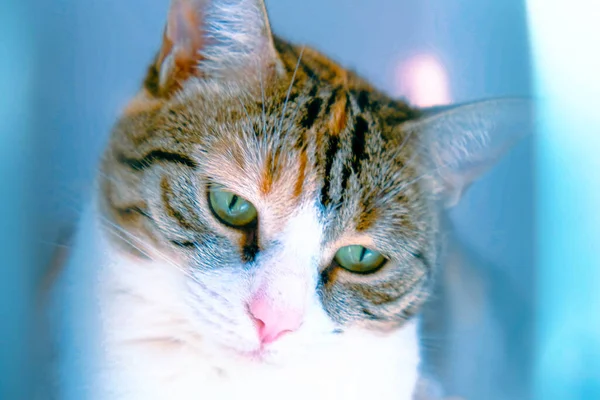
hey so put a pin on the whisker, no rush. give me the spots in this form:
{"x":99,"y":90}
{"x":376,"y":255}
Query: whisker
{"x":140,"y":245}
{"x":209,"y":318}
{"x":418,"y":178}
{"x":164,"y":258}
{"x":407,"y":163}
{"x":262,"y":94}
{"x":133,"y":240}
{"x":212,"y":310}
{"x":116,"y":233}
{"x":405,"y":141}
{"x":140,"y":241}
{"x":411,"y":182}
{"x":55,"y":244}
{"x":291,"y":122}
{"x":287,"y":97}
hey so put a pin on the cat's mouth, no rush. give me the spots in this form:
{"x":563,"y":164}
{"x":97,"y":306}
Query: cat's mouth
{"x":262,"y":355}
{"x":256,"y":355}
{"x":265,"y":354}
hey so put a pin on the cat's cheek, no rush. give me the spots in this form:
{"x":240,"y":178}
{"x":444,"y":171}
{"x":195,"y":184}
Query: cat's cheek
{"x":218,"y":300}
{"x":182,"y":258}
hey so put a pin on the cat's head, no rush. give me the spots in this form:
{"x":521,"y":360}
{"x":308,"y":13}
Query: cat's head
{"x":293,"y":199}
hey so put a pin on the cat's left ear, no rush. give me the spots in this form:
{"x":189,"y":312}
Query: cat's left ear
{"x":216,"y":40}
{"x":462,"y":142}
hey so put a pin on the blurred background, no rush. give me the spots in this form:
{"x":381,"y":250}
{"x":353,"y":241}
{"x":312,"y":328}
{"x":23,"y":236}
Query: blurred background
{"x":67,"y":68}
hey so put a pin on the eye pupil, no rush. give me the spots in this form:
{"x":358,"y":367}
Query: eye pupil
{"x":233,"y":202}
{"x":362,"y":254}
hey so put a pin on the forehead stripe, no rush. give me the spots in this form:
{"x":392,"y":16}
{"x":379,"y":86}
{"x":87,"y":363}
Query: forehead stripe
{"x":312,"y":112}
{"x":362,"y":100}
{"x":332,"y":99}
{"x":360,"y":131}
{"x":330,"y":155}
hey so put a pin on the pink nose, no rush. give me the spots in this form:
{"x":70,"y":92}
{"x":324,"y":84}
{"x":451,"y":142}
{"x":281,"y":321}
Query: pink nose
{"x":273,"y":322}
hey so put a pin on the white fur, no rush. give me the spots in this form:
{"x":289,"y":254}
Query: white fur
{"x":146,"y":330}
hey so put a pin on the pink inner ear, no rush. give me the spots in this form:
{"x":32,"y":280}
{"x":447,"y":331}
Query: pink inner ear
{"x":183,"y":41}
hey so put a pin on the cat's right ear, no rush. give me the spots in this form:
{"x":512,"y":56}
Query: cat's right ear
{"x":461,"y":142}
{"x":213,"y":40}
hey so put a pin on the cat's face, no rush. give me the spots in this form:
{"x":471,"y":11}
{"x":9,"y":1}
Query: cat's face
{"x":296,"y":201}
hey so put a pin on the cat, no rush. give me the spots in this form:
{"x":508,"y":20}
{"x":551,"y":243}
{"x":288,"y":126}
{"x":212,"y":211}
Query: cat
{"x":265,"y":223}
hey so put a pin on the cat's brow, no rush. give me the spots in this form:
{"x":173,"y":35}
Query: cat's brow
{"x":330,"y":154}
{"x":145,"y":161}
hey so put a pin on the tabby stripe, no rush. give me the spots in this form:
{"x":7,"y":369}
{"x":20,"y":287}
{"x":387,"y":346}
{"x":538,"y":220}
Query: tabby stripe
{"x":361,"y":127}
{"x":172,"y":212}
{"x":127,"y":217}
{"x":313,"y":90}
{"x":129,"y":211}
{"x":371,"y":316}
{"x":362,"y":100}
{"x":283,"y":48}
{"x":309,"y":71}
{"x":312,"y":112}
{"x":332,"y":99}
{"x":326,"y":69}
{"x":291,"y":51}
{"x":357,"y":154}
{"x":332,"y":150}
{"x":146,"y":161}
{"x":151,"y":83}
{"x":304,"y":64}
{"x":186,"y":244}
{"x":346,"y":173}
{"x":125,"y":212}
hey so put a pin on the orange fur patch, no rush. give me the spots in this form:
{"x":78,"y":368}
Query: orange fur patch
{"x":268,"y":175}
{"x":339,"y":117}
{"x":341,"y":75}
{"x":367,"y":219}
{"x":301,"y":173}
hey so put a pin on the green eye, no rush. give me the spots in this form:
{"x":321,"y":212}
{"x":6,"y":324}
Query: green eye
{"x":231,"y":209}
{"x":359,"y":259}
